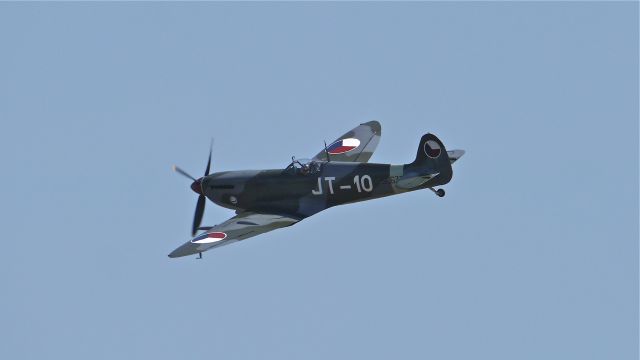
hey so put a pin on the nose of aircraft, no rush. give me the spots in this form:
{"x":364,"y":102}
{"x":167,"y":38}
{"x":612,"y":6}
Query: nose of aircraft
{"x":196,"y":186}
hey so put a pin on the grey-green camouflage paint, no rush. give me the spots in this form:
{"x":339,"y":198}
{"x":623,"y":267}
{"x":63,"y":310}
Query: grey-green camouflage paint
{"x":268,"y":199}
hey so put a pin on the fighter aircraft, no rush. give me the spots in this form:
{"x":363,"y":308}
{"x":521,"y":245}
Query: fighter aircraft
{"x":266,"y":200}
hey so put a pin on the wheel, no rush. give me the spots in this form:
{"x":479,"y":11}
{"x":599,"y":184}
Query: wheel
{"x":440,"y":192}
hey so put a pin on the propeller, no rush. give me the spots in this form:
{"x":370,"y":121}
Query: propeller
{"x":197,"y":187}
{"x":183,"y":173}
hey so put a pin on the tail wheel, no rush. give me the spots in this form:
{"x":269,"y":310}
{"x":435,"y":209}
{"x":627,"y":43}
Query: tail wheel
{"x":440,"y":192}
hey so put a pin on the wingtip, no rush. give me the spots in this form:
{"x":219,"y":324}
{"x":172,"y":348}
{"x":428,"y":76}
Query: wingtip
{"x":375,"y":125}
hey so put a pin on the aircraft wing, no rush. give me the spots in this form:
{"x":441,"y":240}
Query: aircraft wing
{"x":357,"y":145}
{"x":239,"y":227}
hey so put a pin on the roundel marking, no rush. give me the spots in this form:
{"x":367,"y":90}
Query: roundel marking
{"x":207,"y":238}
{"x":342,"y":146}
{"x":432,"y":149}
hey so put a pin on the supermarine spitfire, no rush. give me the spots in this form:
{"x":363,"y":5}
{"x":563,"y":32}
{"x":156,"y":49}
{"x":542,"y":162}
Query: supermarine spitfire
{"x":266,"y":200}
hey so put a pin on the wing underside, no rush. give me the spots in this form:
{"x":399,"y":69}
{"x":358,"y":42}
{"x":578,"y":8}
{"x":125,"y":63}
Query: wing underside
{"x":356,"y":145}
{"x":239,"y":227}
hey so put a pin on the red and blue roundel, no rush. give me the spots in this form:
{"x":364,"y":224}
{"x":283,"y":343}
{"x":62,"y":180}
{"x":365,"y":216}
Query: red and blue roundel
{"x":342,"y":146}
{"x":207,"y":238}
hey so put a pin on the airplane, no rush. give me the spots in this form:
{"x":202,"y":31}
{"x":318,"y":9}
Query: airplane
{"x":265,"y":200}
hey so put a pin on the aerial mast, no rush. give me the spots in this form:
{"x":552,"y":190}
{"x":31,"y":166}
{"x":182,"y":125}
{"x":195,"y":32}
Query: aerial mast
{"x":326,"y":151}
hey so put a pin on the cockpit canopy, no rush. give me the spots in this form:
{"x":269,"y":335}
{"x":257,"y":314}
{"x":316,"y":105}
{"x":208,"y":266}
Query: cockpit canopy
{"x":303,"y":167}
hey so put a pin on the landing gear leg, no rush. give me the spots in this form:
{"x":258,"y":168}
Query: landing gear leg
{"x":439,"y":192}
{"x":199,"y":256}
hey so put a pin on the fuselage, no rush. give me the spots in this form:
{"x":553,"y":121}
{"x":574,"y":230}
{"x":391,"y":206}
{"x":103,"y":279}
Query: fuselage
{"x":302,"y":194}
{"x":265,"y":200}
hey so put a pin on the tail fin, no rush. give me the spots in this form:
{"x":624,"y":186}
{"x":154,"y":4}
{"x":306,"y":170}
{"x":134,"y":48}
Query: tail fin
{"x":432,"y":157}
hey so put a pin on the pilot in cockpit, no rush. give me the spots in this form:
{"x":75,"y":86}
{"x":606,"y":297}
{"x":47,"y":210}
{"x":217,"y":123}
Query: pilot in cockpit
{"x":303,"y":166}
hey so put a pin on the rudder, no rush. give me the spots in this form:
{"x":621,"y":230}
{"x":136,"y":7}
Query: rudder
{"x":432,"y":156}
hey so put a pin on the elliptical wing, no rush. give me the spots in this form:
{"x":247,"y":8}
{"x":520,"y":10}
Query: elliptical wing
{"x":239,"y":227}
{"x":356,"y":145}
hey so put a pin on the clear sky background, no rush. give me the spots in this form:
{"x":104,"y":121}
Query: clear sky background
{"x":533,"y":253}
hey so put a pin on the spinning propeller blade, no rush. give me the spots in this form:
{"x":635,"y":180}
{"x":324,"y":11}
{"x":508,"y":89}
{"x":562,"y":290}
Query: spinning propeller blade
{"x":197,"y":187}
{"x":183,"y":173}
{"x":197,"y":217}
{"x":202,"y":200}
{"x":206,"y":172}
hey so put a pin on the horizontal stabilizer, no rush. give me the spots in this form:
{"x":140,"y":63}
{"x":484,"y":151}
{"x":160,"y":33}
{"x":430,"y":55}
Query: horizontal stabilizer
{"x":455,"y":155}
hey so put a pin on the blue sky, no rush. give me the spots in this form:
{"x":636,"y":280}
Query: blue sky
{"x":532,"y":254}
